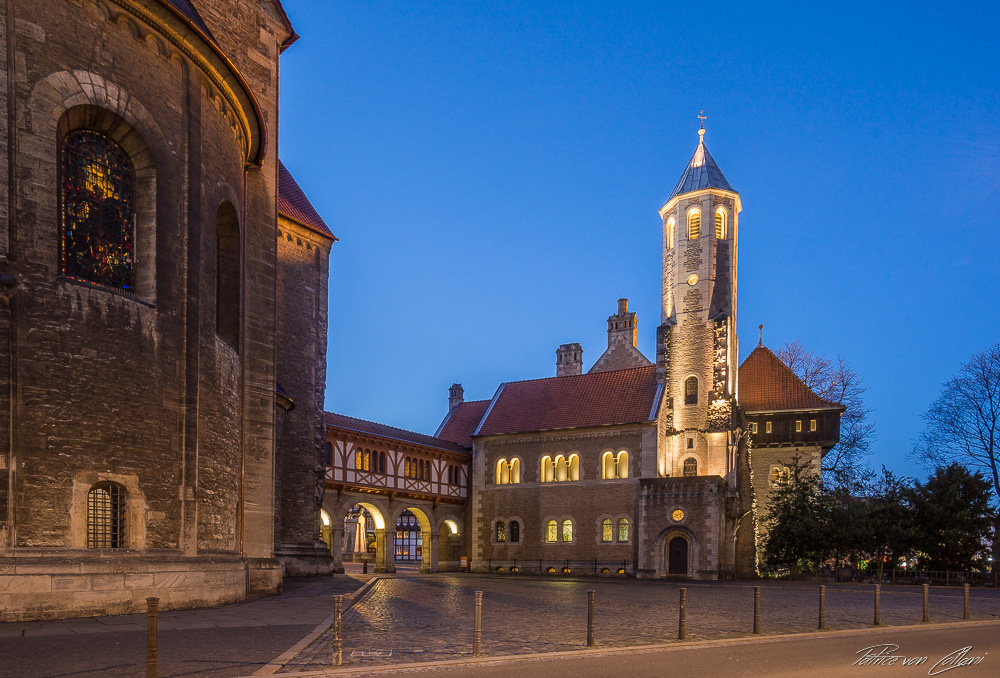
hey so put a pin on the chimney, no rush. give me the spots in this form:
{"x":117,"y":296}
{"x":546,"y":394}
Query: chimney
{"x":569,"y":360}
{"x":622,"y":325}
{"x":456,"y":396}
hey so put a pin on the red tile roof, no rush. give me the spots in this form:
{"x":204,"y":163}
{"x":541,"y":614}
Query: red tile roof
{"x":767,"y":385}
{"x":294,"y":204}
{"x":595,"y":399}
{"x":373,"y":428}
{"x":460,"y":423}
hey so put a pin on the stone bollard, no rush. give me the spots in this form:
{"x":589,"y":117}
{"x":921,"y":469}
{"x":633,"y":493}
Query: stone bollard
{"x":682,"y":616}
{"x":338,"y":643}
{"x":590,"y":619}
{"x":927,"y":612}
{"x":477,"y":633}
{"x":364,"y":566}
{"x":822,"y":607}
{"x":756,"y":609}
{"x":152,"y":667}
{"x":877,"y":621}
{"x":965,"y":614}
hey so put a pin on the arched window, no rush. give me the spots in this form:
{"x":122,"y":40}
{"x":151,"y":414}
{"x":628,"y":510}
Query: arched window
{"x":501,"y":531}
{"x":622,"y":464}
{"x":573,"y":467}
{"x":503,"y":472}
{"x":106,"y":516}
{"x":608,"y":469}
{"x":551,"y":531}
{"x":358,"y":461}
{"x":694,"y":225}
{"x":227,"y":275}
{"x":606,"y":530}
{"x":547,"y":469}
{"x":515,"y":471}
{"x":567,"y":530}
{"x":515,"y":532}
{"x":562,"y":468}
{"x":671,"y":226}
{"x":690,"y":467}
{"x":691,"y":391}
{"x":98,"y":211}
{"x":720,"y":223}
{"x":623,"y":529}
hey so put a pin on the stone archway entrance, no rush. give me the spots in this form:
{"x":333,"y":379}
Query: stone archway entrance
{"x":677,"y":556}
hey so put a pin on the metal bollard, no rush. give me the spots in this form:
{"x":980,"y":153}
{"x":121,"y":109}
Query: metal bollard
{"x":338,"y":645}
{"x":682,"y":617}
{"x":590,"y":619}
{"x":966,"y":614}
{"x":877,"y":621}
{"x":152,"y":667}
{"x":822,"y":607}
{"x":927,"y":612}
{"x":756,"y":609}
{"x":364,"y":566}
{"x":477,"y":634}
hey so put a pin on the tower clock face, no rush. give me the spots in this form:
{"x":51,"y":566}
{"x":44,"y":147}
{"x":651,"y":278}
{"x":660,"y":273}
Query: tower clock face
{"x":677,"y":515}
{"x":693,"y":279}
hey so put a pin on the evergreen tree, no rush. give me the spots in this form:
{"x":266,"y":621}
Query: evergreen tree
{"x":953,"y":519}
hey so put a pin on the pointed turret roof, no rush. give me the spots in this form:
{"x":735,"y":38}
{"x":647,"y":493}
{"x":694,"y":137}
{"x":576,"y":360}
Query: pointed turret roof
{"x":702,"y":172}
{"x":768,"y":385}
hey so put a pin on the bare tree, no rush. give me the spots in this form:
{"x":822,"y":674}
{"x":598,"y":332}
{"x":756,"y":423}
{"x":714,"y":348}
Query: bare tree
{"x":836,"y":381}
{"x":963,"y":425}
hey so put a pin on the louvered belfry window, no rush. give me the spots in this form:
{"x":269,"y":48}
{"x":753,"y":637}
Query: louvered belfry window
{"x":98,"y":211}
{"x":106,"y":516}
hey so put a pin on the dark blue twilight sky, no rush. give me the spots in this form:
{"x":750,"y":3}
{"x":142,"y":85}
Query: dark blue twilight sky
{"x":494,"y":175}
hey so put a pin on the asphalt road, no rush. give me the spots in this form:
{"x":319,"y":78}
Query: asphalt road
{"x":829,"y":655}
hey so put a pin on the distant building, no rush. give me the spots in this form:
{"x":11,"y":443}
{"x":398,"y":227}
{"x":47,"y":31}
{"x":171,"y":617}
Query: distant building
{"x":163,"y":286}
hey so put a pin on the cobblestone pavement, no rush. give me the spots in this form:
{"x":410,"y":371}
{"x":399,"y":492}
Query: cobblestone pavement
{"x":430,"y":617}
{"x":232,"y":640}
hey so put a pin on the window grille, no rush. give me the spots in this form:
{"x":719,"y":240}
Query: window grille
{"x":106,"y":516}
{"x":551,"y":531}
{"x":694,"y":226}
{"x":567,"y":530}
{"x":690,"y":467}
{"x":501,"y":531}
{"x":623,"y":530}
{"x":606,"y":530}
{"x":515,"y":532}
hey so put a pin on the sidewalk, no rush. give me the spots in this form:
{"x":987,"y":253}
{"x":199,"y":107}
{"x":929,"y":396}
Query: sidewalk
{"x":227,"y":641}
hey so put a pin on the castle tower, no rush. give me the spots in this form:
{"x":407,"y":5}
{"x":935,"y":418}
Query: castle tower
{"x":697,"y":350}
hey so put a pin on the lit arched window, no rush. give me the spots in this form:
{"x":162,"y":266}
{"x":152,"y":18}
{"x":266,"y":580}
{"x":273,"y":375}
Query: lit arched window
{"x":671,"y":227}
{"x":551,"y":531}
{"x":106,"y":516}
{"x":567,"y":530}
{"x":694,"y":225}
{"x":690,"y":467}
{"x":515,"y":532}
{"x":691,"y":391}
{"x":501,"y":531}
{"x":573,"y":467}
{"x":623,"y":529}
{"x":515,"y":471}
{"x":562,"y":468}
{"x":98,"y":211}
{"x":720,"y":223}
{"x":606,"y":530}
{"x":359,"y":463}
{"x":548,"y":469}
{"x":503,"y":472}
{"x":227,"y":275}
{"x":622,"y":464}
{"x":608,"y":469}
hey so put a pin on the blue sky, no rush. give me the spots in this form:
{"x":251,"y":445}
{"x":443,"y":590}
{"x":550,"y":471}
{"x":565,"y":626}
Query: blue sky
{"x":494,"y":174}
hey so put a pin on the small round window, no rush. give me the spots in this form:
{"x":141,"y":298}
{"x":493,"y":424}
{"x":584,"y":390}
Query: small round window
{"x":693,"y":279}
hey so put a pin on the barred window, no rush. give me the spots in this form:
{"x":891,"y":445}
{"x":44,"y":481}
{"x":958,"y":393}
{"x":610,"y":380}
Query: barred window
{"x":106,"y":516}
{"x":690,"y":467}
{"x":97,"y":210}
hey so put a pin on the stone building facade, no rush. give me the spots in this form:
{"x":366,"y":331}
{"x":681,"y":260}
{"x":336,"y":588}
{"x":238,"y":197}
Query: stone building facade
{"x":650,"y":469}
{"x":142,"y":451}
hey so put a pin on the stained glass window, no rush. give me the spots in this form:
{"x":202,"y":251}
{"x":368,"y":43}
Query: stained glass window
{"x":515,"y":532}
{"x":501,"y":531}
{"x":567,"y":530}
{"x":606,"y":529}
{"x":551,"y":531}
{"x":98,"y":211}
{"x":623,"y":529}
{"x":106,"y":516}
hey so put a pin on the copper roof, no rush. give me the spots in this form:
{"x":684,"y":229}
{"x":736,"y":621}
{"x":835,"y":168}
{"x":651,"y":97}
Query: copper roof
{"x":293,"y":203}
{"x":461,"y":421}
{"x":767,"y":385}
{"x":373,"y":428}
{"x":593,"y":399}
